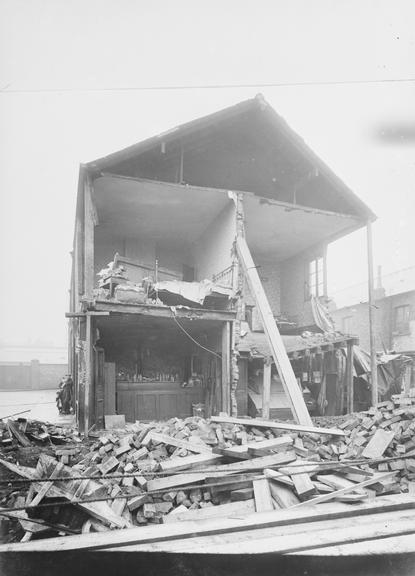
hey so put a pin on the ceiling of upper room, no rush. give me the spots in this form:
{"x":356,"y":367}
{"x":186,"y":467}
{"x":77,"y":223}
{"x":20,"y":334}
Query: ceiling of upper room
{"x":179,"y":215}
{"x":247,"y":147}
{"x":277,"y":232}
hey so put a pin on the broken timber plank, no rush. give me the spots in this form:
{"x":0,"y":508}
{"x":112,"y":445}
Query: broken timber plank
{"x":279,"y":353}
{"x":262,"y":495}
{"x":99,"y":510}
{"x":170,"y":441}
{"x":326,"y":497}
{"x":47,"y":485}
{"x":257,"y":423}
{"x":282,"y":495}
{"x":378,"y":444}
{"x":263,"y":447}
{"x":18,"y":434}
{"x":186,"y":462}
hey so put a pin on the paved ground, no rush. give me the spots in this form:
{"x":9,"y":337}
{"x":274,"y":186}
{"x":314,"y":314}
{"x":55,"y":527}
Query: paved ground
{"x":41,"y":403}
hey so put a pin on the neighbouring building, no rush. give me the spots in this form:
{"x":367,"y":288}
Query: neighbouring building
{"x":161,"y":317}
{"x":394,"y":314}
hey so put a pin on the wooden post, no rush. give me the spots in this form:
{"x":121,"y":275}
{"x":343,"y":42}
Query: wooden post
{"x":279,"y":353}
{"x":89,"y":224}
{"x":349,"y":378}
{"x":266,"y":388}
{"x":226,"y":367}
{"x":88,"y":373}
{"x":373,"y":361}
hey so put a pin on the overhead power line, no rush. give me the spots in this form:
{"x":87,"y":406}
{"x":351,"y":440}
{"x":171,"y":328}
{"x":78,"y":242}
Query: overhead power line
{"x":7,"y":90}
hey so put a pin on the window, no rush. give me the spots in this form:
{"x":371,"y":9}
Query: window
{"x":316,"y":277}
{"x":347,"y":324}
{"x":401,"y":319}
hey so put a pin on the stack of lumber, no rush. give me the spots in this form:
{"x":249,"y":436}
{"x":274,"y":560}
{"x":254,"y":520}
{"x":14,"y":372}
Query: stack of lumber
{"x":153,"y":473}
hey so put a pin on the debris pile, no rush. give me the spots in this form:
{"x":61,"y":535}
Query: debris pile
{"x":189,"y":469}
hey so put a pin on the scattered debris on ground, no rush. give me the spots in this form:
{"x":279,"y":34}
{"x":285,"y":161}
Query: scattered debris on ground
{"x":162,"y":472}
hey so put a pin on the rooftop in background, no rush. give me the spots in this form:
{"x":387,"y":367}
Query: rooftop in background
{"x":45,"y":355}
{"x":386,"y":285}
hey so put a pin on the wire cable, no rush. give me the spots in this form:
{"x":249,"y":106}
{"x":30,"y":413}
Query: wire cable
{"x":192,"y":339}
{"x":155,"y":87}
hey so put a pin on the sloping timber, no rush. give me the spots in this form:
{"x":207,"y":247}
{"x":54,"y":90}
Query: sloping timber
{"x":285,"y":371}
{"x":133,"y":537}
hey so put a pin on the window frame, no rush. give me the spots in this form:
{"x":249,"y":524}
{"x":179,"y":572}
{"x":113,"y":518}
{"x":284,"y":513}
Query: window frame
{"x":315,"y":277}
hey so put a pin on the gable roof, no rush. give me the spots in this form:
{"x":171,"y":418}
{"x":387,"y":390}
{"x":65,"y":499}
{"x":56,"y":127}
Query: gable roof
{"x":298,"y":166}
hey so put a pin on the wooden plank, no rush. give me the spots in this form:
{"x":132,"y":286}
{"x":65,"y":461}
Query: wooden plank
{"x":221,"y":511}
{"x":303,"y":485}
{"x":192,"y":462}
{"x":262,"y":495}
{"x":378,"y":444}
{"x":326,"y":497}
{"x":291,"y":539}
{"x":349,"y":378}
{"x":283,"y":495}
{"x":226,"y":368}
{"x":256,"y":463}
{"x":242,"y":466}
{"x":18,"y":434}
{"x":263,"y":446}
{"x":175,"y":480}
{"x":266,"y":388}
{"x":258,"y":423}
{"x":179,"y":443}
{"x":191,"y":529}
{"x":47,"y":485}
{"x":165,"y":311}
{"x":99,"y":510}
{"x":285,"y":371}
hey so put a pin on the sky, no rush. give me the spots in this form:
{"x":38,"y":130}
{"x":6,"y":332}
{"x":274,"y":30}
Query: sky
{"x":84,"y":78}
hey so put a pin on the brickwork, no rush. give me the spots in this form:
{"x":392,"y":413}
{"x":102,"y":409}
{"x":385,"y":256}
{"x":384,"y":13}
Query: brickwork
{"x":355,"y":320}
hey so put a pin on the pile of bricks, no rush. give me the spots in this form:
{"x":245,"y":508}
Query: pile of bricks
{"x":193,"y":468}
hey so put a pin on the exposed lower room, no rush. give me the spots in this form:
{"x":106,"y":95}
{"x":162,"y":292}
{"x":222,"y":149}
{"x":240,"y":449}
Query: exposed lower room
{"x":156,"y":368}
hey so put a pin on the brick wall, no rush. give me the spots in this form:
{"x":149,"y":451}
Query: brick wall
{"x":30,"y":375}
{"x":355,"y":320}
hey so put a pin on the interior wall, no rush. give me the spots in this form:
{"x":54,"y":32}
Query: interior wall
{"x":294,"y":277}
{"x":212,"y":253}
{"x":142,"y":250}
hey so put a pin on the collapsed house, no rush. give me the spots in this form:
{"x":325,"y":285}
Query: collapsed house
{"x":183,"y":240}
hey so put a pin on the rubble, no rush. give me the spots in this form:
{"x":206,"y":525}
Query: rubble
{"x":163,"y":472}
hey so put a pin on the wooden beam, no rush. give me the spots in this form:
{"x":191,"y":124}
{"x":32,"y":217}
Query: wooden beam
{"x":165,"y":311}
{"x":371,"y":303}
{"x":349,"y":378}
{"x":262,"y":495}
{"x":266,"y":388}
{"x":88,"y":389}
{"x":89,"y":224}
{"x":257,"y":423}
{"x":285,"y":371}
{"x":226,"y":368}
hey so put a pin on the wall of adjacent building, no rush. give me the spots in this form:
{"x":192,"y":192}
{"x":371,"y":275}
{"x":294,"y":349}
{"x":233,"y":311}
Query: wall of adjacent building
{"x":356,"y":320}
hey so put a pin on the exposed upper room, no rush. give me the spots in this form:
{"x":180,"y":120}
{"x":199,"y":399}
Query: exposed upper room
{"x":247,"y":147}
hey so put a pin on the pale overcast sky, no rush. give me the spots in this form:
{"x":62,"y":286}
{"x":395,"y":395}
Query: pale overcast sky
{"x":61,"y":63}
